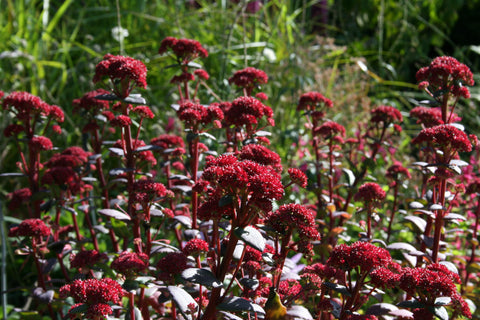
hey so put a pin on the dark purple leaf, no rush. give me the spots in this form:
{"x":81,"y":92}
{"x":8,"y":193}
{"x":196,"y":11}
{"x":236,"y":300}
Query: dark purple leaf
{"x":116,"y":214}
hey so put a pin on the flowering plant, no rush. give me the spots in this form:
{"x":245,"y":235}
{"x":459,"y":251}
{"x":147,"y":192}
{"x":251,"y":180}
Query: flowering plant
{"x":179,"y":226}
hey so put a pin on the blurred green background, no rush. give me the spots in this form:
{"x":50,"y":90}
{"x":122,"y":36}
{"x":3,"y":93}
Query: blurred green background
{"x":357,"y":53}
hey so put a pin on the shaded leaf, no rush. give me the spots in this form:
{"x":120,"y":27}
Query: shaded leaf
{"x":117,"y":151}
{"x":401,"y":246}
{"x":252,"y":237}
{"x":201,"y":276}
{"x":411,"y":304}
{"x":237,"y":304}
{"x":417,"y":221}
{"x":338,"y":288}
{"x":182,"y":299}
{"x":116,"y":214}
{"x":350,"y":176}
{"x":455,"y":216}
{"x":299,"y":312}
{"x":379,"y":309}
{"x":415,"y":205}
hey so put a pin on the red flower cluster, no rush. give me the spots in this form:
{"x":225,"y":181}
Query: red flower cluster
{"x":359,"y":254}
{"x":13,"y":130}
{"x":298,"y":177}
{"x":248,"y":78}
{"x":146,"y":155}
{"x":185,"y":50}
{"x":65,"y":177}
{"x":449,"y":138}
{"x":202,"y":74}
{"x":313,"y":101}
{"x":168,"y":141}
{"x":396,"y":170}
{"x":95,"y":294}
{"x":121,"y":121}
{"x":89,"y":103}
{"x":70,"y":157}
{"x":194,"y":114}
{"x":194,"y":247}
{"x":329,"y":129}
{"x":130,"y":263}
{"x":86,"y":259}
{"x":144,"y":112}
{"x":429,"y":117}
{"x":146,"y":191}
{"x":446,"y":73}
{"x":39,"y":143}
{"x":18,"y":197}
{"x":173,"y":263}
{"x":125,"y":71}
{"x":386,"y":115}
{"x":290,"y":217}
{"x":184,"y":77}
{"x":370,"y":193}
{"x":24,"y":105}
{"x":246,"y":111}
{"x":289,"y":289}
{"x":435,"y":280}
{"x":262,"y":155}
{"x":229,"y":176}
{"x":30,"y":228}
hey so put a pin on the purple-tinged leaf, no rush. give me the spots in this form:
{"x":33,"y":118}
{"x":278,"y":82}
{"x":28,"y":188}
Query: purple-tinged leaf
{"x":184,"y":220}
{"x":252,"y":237}
{"x":338,"y":288}
{"x":417,"y":221}
{"x":454,"y":216}
{"x":12,"y":174}
{"x":415,"y":205}
{"x":203,"y":277}
{"x":117,"y":151}
{"x":380,"y":309}
{"x":237,"y":304}
{"x":183,"y":300}
{"x":401,"y":246}
{"x":42,"y":295}
{"x":299,"y":312}
{"x":116,"y":214}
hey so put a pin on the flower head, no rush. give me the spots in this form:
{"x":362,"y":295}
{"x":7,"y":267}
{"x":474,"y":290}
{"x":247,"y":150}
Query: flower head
{"x":125,"y":73}
{"x":144,"y":112}
{"x":194,"y":114}
{"x":90,"y":103}
{"x":330,"y":129}
{"x":13,"y":130}
{"x":95,"y":294}
{"x":370,"y":193}
{"x":248,"y":78}
{"x":173,"y":263}
{"x":86,"y":259}
{"x":130,"y":263}
{"x":185,"y":50}
{"x":313,"y":101}
{"x":24,"y":105}
{"x":70,"y":157}
{"x":19,"y":197}
{"x":396,"y":171}
{"x":30,"y":228}
{"x":168,"y":141}
{"x":246,"y":111}
{"x":194,"y":247}
{"x":201,"y":74}
{"x":41,"y":143}
{"x":446,"y":73}
{"x":429,"y":117}
{"x":359,"y":254}
{"x":449,"y":138}
{"x":296,"y":217}
{"x":386,"y":115}
{"x":262,"y":155}
{"x":298,"y":177}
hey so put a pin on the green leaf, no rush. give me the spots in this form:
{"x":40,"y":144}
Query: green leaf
{"x":130,"y":285}
{"x":252,"y":237}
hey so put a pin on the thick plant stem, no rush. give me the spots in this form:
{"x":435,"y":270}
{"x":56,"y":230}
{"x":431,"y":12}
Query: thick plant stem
{"x":439,"y":222}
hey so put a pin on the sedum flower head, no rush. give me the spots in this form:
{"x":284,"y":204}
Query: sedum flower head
{"x":130,"y":263}
{"x":185,"y":50}
{"x":386,"y":115}
{"x":446,"y":73}
{"x":30,"y":228}
{"x":248,"y":78}
{"x":359,"y":254}
{"x":313,"y":101}
{"x":125,"y":73}
{"x":194,"y":247}
{"x":370,"y":193}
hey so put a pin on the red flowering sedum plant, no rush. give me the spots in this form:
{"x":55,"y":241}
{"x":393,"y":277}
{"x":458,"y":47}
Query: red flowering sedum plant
{"x":200,"y":218}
